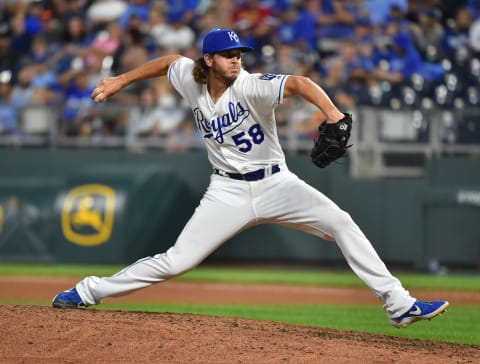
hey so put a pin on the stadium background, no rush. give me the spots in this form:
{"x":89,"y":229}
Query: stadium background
{"x":80,"y":183}
{"x":408,"y":71}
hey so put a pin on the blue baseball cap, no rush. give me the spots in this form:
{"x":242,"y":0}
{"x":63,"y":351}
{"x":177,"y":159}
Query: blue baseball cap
{"x":218,"y":40}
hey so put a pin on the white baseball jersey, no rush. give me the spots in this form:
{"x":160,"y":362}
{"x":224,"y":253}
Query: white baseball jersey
{"x":239,"y":130}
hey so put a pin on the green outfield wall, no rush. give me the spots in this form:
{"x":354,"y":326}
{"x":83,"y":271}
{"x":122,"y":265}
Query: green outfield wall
{"x":114,"y":206}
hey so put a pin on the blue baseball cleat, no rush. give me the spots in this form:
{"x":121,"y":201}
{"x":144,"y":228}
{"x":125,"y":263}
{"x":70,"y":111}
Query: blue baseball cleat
{"x":420,"y":311}
{"x":68,"y":299}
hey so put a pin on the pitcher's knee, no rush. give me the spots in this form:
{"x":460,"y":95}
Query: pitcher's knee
{"x":343,"y":221}
{"x":179,"y":269}
{"x":174,"y":265}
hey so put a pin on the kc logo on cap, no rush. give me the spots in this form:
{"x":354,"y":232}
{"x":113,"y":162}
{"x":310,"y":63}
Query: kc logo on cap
{"x":233,"y":36}
{"x":218,"y":40}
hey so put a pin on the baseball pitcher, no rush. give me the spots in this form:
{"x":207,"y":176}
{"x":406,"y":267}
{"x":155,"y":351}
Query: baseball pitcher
{"x":250,"y":184}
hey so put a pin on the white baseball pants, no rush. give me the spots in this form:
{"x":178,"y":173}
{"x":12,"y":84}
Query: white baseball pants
{"x":230,"y":206}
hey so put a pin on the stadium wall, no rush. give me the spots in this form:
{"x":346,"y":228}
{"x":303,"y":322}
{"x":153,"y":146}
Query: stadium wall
{"x":114,"y":206}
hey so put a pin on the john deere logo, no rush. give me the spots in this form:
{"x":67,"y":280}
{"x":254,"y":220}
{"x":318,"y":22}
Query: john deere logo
{"x":87,"y":214}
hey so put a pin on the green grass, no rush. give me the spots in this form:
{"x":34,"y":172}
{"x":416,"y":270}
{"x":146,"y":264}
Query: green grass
{"x":460,"y":325}
{"x":263,"y":276}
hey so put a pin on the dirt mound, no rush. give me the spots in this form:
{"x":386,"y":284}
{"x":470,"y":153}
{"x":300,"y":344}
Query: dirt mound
{"x":34,"y":334}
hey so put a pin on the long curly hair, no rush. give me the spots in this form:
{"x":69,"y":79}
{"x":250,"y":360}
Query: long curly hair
{"x":200,"y":71}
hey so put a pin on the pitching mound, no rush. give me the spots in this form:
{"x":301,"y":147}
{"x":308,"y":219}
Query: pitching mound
{"x":34,"y":334}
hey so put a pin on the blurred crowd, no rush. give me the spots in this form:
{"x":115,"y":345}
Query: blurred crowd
{"x":382,"y":53}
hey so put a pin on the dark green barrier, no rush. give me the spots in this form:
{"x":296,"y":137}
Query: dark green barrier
{"x":28,"y":226}
{"x":451,"y":227}
{"x":409,"y":221}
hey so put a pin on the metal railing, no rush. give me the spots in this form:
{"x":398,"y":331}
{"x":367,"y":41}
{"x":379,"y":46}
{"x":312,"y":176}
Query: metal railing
{"x":396,"y":143}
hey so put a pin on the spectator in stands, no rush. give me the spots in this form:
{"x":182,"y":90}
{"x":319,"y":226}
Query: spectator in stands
{"x":139,"y":8}
{"x":474,"y":8}
{"x":145,"y":116}
{"x":43,"y":75}
{"x":398,"y":59}
{"x":187,"y":7}
{"x":77,"y":106}
{"x":474,"y":37}
{"x":52,"y":28}
{"x":263,"y":42}
{"x":75,"y":33}
{"x":251,"y":11}
{"x":223,"y":13}
{"x":19,"y":37}
{"x":428,"y":33}
{"x":363,"y":31}
{"x":39,"y":49}
{"x":137,"y":33}
{"x":206,"y":22}
{"x":308,"y":129}
{"x":130,"y":58}
{"x":23,"y":90}
{"x":156,"y":115}
{"x":336,"y":83}
{"x":379,"y":11}
{"x":106,"y":43}
{"x":360,"y":73}
{"x":286,"y":61}
{"x":295,"y":29}
{"x":74,"y":38}
{"x":398,"y":16}
{"x":336,"y":23}
{"x":311,"y":13}
{"x":33,"y":18}
{"x":8,"y":113}
{"x":173,"y":34}
{"x":72,"y":9}
{"x":457,"y":33}
{"x":8,"y":56}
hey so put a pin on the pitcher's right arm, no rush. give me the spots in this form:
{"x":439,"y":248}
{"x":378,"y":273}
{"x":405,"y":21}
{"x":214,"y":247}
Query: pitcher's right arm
{"x":109,"y":86}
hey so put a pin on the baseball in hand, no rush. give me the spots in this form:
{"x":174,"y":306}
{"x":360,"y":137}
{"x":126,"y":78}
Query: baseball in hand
{"x":99,"y":97}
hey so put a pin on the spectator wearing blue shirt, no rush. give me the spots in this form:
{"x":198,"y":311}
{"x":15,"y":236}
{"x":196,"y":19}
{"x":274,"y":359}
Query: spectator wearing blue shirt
{"x":457,"y":33}
{"x":44,"y":77}
{"x":308,"y":15}
{"x":78,"y":106}
{"x":33,"y":18}
{"x":140,"y":8}
{"x":289,"y":29}
{"x":379,"y":10}
{"x":474,"y":7}
{"x":398,"y":60}
{"x":8,"y":113}
{"x":186,"y":7}
{"x":336,"y":23}
{"x":363,"y":32}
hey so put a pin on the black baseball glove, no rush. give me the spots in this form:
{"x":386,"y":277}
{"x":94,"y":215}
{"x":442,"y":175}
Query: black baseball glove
{"x":332,"y":141}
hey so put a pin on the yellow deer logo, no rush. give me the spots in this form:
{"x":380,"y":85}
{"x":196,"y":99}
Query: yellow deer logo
{"x":88,"y":213}
{"x":85,"y":215}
